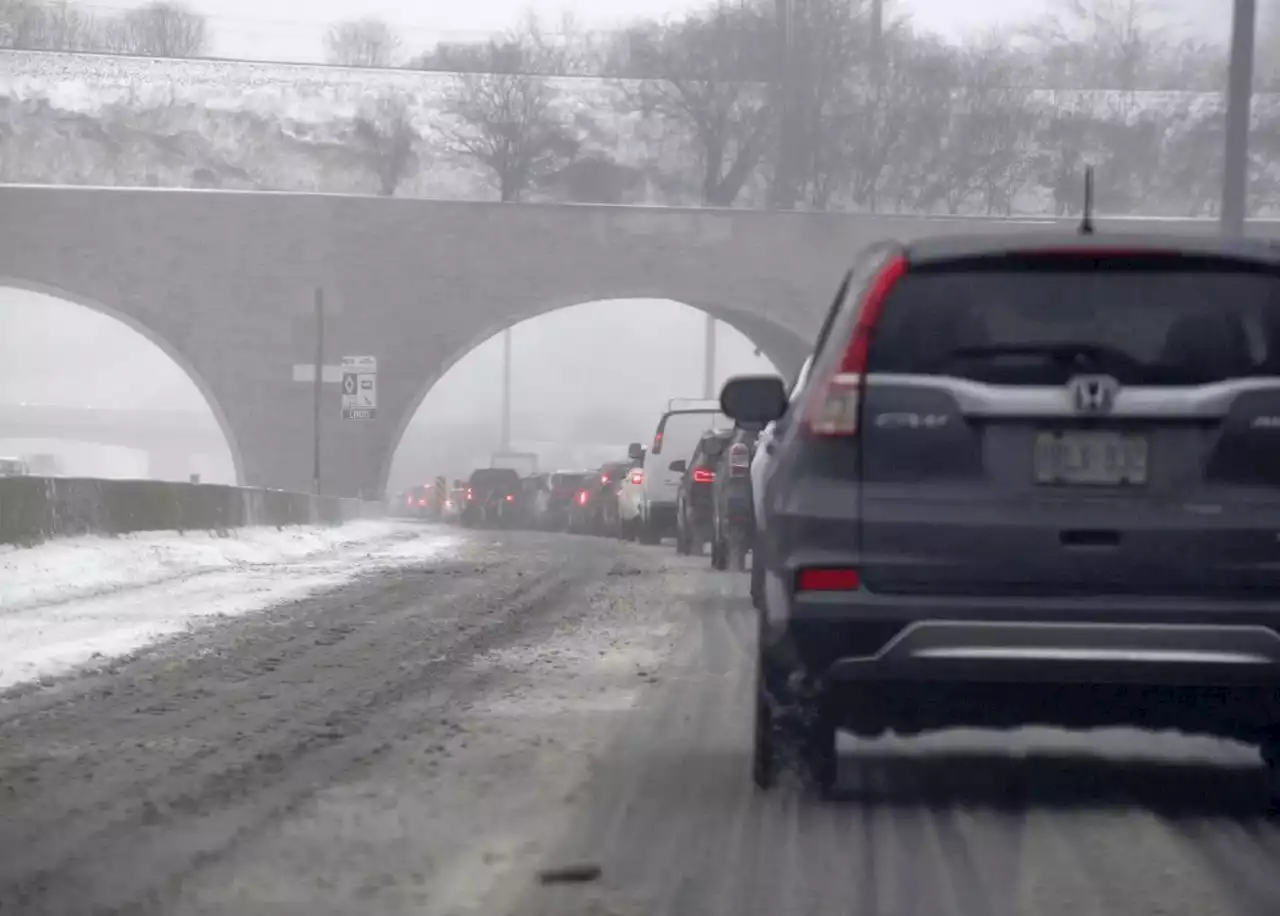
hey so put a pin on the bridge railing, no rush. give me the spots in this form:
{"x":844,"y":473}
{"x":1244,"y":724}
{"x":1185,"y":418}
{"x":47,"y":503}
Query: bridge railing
{"x":36,"y":509}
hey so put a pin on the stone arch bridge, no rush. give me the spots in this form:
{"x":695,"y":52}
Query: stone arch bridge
{"x":224,"y":282}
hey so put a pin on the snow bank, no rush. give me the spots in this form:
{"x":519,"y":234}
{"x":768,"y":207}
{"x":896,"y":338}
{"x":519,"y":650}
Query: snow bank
{"x":69,"y":601}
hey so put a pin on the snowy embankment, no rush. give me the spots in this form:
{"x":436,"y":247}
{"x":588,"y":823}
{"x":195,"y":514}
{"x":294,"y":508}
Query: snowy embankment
{"x":70,"y":601}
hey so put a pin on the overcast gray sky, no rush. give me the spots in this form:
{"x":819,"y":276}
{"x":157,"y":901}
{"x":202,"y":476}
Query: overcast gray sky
{"x":293,"y":29}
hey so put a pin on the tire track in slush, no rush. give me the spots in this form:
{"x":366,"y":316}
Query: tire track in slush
{"x":99,"y":844}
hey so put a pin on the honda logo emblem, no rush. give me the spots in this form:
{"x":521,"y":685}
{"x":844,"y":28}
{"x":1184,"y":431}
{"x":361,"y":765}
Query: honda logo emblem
{"x":1093,"y":393}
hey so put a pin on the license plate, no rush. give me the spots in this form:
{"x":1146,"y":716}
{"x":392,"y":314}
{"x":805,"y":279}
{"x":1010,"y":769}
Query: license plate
{"x":1091,"y":459}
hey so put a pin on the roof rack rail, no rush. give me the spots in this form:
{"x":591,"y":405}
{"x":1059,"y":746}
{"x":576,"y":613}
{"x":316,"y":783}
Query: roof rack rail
{"x":1086,"y":220}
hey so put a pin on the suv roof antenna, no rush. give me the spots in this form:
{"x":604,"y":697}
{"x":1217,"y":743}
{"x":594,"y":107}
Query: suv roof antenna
{"x":1086,"y":221}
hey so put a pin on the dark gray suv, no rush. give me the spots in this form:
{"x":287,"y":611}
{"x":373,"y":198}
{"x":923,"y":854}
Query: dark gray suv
{"x":1029,"y":480}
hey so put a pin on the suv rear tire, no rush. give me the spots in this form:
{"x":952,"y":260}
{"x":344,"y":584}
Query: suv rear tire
{"x":796,"y":739}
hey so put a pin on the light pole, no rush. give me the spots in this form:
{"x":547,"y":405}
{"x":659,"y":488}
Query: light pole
{"x":316,"y":392}
{"x":709,"y":359}
{"x":506,"y":390}
{"x":1235,"y":158}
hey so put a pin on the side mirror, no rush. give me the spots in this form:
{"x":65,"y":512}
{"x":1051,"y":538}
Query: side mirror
{"x":678,"y":467}
{"x":754,"y":398}
{"x":635,"y":451}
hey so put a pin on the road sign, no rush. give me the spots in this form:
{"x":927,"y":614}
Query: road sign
{"x":359,"y":388}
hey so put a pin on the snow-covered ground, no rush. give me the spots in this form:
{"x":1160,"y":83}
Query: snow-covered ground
{"x":67,"y":602}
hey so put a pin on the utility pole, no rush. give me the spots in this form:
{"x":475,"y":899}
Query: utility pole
{"x":877,"y":42}
{"x":506,"y":390}
{"x":316,"y":390}
{"x":1235,"y":158}
{"x":709,"y":359}
{"x":783,"y":191}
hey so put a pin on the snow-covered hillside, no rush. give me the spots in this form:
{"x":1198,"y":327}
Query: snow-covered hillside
{"x":107,"y":120}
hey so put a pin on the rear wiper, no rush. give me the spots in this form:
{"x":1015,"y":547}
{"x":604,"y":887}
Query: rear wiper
{"x":1068,"y":353}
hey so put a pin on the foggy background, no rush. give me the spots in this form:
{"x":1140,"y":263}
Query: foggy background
{"x":595,"y":372}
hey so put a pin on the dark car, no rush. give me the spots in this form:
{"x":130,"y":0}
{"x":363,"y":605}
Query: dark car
{"x":732,"y":522}
{"x":694,"y":496}
{"x":1029,"y":480}
{"x":490,"y":498}
{"x":565,"y":490}
{"x":601,"y":515}
{"x":417,"y":503}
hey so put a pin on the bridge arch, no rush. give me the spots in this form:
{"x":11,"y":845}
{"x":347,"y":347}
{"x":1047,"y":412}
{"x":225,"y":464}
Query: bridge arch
{"x":175,"y":355}
{"x":785,"y":348}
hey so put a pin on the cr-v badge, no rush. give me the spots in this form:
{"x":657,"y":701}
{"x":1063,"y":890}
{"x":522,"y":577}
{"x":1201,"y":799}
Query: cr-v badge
{"x":1093,"y":393}
{"x":911,"y":420}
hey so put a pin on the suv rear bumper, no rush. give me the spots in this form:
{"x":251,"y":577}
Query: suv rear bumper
{"x":858,"y":637}
{"x":908,"y":668}
{"x":996,"y":651}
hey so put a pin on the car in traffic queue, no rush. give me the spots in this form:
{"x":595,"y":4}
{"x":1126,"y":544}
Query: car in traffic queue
{"x":604,"y":498}
{"x":558,"y":502}
{"x":762,"y":465}
{"x":678,"y":432}
{"x":417,"y":503}
{"x":694,"y":497}
{"x":732,"y":519}
{"x":490,"y":497}
{"x":630,"y":496}
{"x":1027,"y":480}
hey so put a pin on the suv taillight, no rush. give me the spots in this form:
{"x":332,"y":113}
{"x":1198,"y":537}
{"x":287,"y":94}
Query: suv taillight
{"x":836,"y":400}
{"x":739,"y":459}
{"x":637,"y":476}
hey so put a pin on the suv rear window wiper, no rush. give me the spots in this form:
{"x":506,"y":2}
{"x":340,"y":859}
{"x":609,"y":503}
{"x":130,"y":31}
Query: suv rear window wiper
{"x":1075,"y":354}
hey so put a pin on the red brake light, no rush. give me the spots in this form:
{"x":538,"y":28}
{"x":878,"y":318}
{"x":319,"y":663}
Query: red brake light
{"x":470,"y":493}
{"x":657,"y":442}
{"x":702,"y":475}
{"x":828,"y":580}
{"x":408,"y":501}
{"x":637,"y":476}
{"x":583,"y":496}
{"x":604,"y":478}
{"x":510,"y":498}
{"x":422,"y":502}
{"x":835,"y":404}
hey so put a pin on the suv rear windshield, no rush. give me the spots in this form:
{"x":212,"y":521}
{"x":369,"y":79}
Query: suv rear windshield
{"x":1178,"y":324}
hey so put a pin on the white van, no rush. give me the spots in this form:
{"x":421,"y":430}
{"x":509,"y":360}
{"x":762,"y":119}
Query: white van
{"x":677,"y":435}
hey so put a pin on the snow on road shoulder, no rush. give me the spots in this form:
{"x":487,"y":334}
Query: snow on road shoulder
{"x":66,"y":602}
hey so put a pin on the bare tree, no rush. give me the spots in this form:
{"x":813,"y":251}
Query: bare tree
{"x":368,"y":42}
{"x":159,"y":29}
{"x":388,"y":140}
{"x":506,"y":117}
{"x":984,"y":153}
{"x":706,"y":75}
{"x":45,"y":25}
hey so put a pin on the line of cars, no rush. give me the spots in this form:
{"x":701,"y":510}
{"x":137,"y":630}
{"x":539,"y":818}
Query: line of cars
{"x":691,"y":483}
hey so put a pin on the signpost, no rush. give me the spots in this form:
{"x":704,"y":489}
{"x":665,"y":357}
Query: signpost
{"x":359,"y":388}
